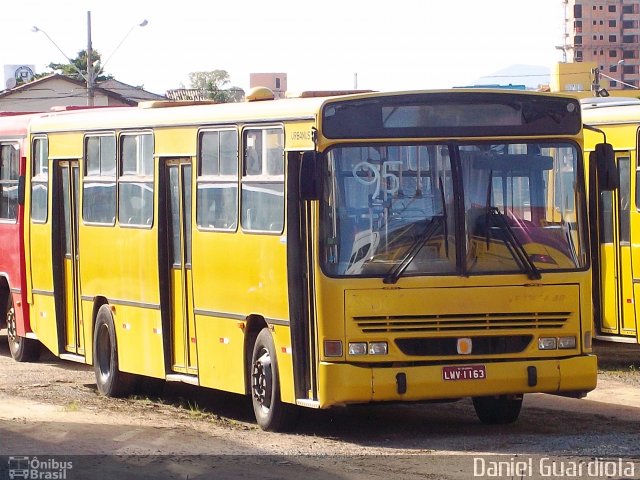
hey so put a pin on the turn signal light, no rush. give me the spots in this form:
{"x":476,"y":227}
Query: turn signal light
{"x":332,"y":348}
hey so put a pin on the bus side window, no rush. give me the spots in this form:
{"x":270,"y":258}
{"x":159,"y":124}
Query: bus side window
{"x":8,"y":182}
{"x":253,"y":152}
{"x":99,"y":183}
{"x":217,"y":180}
{"x":262,"y":196}
{"x":135,"y":184}
{"x":40,"y":180}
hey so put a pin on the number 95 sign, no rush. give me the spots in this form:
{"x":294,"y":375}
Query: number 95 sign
{"x":391,"y":182}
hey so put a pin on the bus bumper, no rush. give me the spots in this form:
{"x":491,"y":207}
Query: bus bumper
{"x":343,"y":383}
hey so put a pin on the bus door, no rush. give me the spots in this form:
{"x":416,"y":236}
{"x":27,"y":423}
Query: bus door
{"x":616,"y":278}
{"x":183,"y":334}
{"x":67,"y":288}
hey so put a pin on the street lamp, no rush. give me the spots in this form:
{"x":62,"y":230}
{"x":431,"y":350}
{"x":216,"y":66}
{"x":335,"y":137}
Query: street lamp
{"x":564,"y":52}
{"x":91,"y":75}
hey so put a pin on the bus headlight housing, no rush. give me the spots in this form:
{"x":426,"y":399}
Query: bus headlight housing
{"x":547,"y":343}
{"x":357,"y":348}
{"x":378,"y":348}
{"x":372,"y":348}
{"x":557,"y":343}
{"x":567,"y":343}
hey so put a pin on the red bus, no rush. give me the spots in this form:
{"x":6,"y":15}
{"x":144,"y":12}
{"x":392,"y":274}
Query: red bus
{"x":13,"y":292}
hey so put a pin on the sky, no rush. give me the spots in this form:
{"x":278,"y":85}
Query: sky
{"x":320,"y":45}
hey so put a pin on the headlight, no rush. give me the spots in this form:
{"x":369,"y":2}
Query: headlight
{"x":547,"y":343}
{"x":378,"y":348}
{"x":567,"y":342}
{"x":357,"y":348}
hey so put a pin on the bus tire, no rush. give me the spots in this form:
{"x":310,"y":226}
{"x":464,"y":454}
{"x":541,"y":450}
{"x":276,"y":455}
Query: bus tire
{"x":271,"y":413}
{"x":110,"y":381}
{"x":499,"y":410}
{"x":22,"y":349}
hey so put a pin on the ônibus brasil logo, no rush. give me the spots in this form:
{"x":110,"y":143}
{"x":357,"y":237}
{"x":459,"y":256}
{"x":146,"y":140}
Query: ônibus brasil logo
{"x":40,"y":469}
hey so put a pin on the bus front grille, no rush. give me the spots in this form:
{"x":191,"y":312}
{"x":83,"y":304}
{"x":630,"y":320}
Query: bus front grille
{"x":490,"y":345}
{"x":484,"y":322}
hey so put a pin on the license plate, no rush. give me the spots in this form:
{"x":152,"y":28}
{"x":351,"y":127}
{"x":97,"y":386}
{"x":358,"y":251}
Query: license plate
{"x":466,"y":372}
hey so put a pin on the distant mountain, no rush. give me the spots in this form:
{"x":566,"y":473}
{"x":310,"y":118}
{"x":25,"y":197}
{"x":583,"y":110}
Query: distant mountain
{"x":529,"y":75}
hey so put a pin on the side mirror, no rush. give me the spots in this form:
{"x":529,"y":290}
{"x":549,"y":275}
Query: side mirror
{"x":604,"y":159}
{"x":310,"y":176}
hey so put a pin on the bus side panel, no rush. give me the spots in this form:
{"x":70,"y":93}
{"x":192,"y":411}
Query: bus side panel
{"x":43,"y":321}
{"x":120,"y":263}
{"x":122,"y":267}
{"x":636,"y":296}
{"x":10,"y":266}
{"x":282,"y":340}
{"x":239,"y":275}
{"x":220,"y":353}
{"x":12,"y":262}
{"x":43,"y":309}
{"x":139,"y":338}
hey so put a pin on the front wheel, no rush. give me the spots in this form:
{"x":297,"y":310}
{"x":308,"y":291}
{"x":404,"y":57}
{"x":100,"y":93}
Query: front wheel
{"x":499,"y":410}
{"x":271,"y":413}
{"x":109,"y":379}
{"x":22,"y":349}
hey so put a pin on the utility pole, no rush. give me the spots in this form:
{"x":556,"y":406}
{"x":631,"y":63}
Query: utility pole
{"x":90,"y":82}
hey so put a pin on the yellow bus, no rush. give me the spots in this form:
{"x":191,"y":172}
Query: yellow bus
{"x":318,"y":251}
{"x":615,"y":215}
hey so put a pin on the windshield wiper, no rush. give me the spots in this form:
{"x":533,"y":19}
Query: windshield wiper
{"x":431,"y":227}
{"x":514,"y":245}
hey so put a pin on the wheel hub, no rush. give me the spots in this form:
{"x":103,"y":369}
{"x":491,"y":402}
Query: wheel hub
{"x":11,"y":325}
{"x":261,"y":384}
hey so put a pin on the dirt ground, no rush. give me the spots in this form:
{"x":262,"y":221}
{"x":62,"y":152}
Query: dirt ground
{"x":51,"y":409}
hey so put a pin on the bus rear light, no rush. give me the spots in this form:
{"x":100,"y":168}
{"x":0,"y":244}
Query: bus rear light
{"x":547,"y":343}
{"x":566,"y":343}
{"x":378,"y":348}
{"x":357,"y":348}
{"x":332,"y":348}
{"x":588,"y":343}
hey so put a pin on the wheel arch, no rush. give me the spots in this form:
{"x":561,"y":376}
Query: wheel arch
{"x":98,"y":302}
{"x":254,"y":324}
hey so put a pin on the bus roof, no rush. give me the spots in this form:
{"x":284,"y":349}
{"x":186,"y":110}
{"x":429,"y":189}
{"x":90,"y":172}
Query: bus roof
{"x":163,"y":114}
{"x":15,"y":123}
{"x":610,"y":110}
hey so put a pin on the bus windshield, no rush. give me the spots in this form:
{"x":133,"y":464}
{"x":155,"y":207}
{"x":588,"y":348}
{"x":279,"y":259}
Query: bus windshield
{"x":452,"y":208}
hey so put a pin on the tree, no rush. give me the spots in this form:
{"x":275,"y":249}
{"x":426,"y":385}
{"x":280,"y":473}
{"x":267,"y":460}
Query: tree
{"x":77,"y":65}
{"x":212,"y":84}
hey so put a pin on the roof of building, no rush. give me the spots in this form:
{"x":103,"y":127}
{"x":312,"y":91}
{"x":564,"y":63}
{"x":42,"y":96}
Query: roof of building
{"x":111,"y":88}
{"x":129,"y":91}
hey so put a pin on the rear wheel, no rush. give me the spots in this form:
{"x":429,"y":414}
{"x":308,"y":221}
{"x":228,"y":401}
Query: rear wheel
{"x":109,"y":379}
{"x":271,"y":413}
{"x":499,"y":410}
{"x":22,"y":349}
